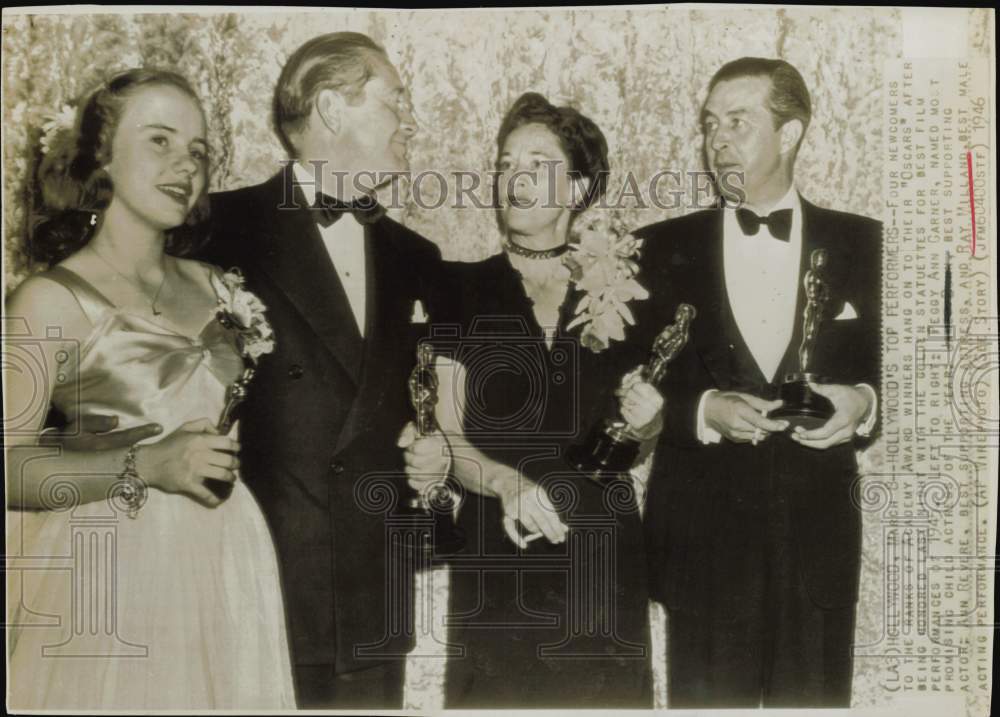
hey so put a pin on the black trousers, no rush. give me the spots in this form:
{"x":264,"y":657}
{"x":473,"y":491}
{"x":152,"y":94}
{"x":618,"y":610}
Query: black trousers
{"x":571,"y":633}
{"x":782,"y":650}
{"x":380,"y":687}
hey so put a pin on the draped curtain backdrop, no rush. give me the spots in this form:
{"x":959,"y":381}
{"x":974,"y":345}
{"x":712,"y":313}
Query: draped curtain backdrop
{"x":640,"y":74}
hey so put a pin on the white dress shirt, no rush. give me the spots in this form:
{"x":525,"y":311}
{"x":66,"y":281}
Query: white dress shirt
{"x":345,"y":243}
{"x":762,"y":284}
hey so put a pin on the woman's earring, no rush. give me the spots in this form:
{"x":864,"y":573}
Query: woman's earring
{"x":93,"y":220}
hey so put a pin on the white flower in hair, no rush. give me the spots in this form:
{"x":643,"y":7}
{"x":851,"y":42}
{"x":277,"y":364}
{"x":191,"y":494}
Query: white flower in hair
{"x":56,"y":123}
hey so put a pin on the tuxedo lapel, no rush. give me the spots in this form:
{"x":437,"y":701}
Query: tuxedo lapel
{"x":298,"y":263}
{"x":375,"y":269}
{"x":381,"y":304}
{"x":816,"y":234}
{"x":714,"y":332}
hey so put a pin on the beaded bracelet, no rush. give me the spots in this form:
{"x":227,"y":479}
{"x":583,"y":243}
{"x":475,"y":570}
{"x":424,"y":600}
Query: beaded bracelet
{"x":133,"y":489}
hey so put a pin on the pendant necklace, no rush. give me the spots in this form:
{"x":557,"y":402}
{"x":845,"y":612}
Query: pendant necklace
{"x":137,"y":285}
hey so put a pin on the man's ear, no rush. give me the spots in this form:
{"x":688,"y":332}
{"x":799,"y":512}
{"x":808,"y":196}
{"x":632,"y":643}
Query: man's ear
{"x":329,"y":106}
{"x":791,"y":133}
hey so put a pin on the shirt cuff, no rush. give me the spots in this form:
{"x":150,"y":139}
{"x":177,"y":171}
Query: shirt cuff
{"x":706,"y":434}
{"x":865,"y":429}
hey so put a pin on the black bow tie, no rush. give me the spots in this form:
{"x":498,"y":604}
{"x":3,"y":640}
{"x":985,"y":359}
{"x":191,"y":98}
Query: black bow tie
{"x":365,"y":209}
{"x":779,"y":222}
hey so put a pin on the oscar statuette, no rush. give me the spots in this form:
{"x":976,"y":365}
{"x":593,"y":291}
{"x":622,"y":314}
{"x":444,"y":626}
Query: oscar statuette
{"x":236,"y":393}
{"x":802,"y":406}
{"x":611,"y":447}
{"x":437,"y":502}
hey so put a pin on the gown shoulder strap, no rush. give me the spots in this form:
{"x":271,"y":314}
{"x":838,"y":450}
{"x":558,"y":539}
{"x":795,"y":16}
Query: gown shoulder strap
{"x":93,"y":303}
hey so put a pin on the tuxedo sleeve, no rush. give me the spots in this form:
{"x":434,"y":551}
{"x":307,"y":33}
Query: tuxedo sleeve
{"x":686,"y":379}
{"x":434,"y":284}
{"x":226,"y":229}
{"x":683,"y":389}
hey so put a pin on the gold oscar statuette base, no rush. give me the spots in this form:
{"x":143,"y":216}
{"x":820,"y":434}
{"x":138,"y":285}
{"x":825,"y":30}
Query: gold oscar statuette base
{"x":802,"y":406}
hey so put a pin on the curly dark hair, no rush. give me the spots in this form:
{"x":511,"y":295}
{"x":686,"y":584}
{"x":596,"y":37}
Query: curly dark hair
{"x":75,"y":187}
{"x":580,"y":138}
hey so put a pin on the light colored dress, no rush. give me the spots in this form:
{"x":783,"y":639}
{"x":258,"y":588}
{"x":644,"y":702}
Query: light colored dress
{"x":178,"y":608}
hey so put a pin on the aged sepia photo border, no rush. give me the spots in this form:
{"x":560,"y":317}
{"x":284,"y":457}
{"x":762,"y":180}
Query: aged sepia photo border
{"x":904,"y":132}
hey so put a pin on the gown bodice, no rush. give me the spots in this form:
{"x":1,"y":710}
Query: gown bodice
{"x":530,"y":391}
{"x":187,"y":578}
{"x":525,"y":396}
{"x":141,"y":370}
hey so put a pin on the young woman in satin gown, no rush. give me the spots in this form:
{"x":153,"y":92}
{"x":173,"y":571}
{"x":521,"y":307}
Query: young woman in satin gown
{"x":175,"y":604}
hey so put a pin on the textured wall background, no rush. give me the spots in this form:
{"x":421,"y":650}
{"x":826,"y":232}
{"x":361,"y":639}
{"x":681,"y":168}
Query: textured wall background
{"x":640,"y":74}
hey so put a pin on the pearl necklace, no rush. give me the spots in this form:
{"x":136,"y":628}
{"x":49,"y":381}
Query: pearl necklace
{"x":534,"y":253}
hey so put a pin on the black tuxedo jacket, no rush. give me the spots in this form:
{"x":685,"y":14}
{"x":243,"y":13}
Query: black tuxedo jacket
{"x":323,"y":416}
{"x":706,"y":503}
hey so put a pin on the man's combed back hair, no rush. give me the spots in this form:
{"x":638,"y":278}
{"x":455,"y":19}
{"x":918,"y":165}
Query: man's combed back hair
{"x":342,"y":61}
{"x":789,"y":97}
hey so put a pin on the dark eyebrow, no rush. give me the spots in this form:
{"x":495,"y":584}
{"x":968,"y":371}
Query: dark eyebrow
{"x":705,"y":114}
{"x":167,"y":128}
{"x":534,"y":153}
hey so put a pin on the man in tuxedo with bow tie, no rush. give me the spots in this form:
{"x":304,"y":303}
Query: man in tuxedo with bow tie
{"x":753,"y":533}
{"x":341,"y":282}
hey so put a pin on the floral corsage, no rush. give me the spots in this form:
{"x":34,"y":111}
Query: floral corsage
{"x":603,"y":263}
{"x":241,"y":311}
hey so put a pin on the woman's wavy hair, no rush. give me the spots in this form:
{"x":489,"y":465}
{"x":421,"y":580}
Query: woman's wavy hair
{"x":76,"y":189}
{"x":579,"y":136}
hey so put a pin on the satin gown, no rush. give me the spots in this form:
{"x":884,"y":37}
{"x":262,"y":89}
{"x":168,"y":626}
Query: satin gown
{"x":178,"y":608}
{"x":553,"y":625}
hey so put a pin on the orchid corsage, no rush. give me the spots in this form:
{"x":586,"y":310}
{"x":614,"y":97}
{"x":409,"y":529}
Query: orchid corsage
{"x":241,"y":311}
{"x":603,"y":263}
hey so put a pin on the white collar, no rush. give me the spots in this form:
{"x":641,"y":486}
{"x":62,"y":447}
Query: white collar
{"x":789,"y":201}
{"x":306,"y":181}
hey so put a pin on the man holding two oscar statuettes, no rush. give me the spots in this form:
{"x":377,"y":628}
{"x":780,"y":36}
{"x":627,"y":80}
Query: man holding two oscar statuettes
{"x":753,"y":533}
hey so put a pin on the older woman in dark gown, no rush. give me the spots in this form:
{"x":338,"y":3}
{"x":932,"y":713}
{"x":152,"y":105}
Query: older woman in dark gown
{"x":548,"y":599}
